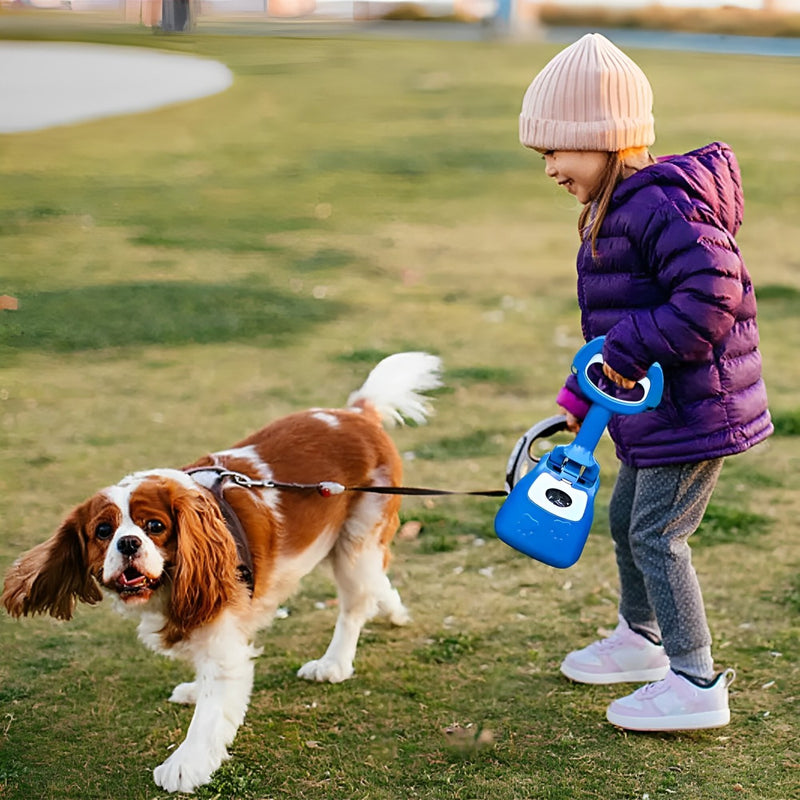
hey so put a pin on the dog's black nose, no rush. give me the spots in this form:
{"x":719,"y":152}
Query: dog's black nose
{"x":129,"y":545}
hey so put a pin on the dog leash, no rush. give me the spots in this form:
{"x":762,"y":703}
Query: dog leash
{"x":522,"y":459}
{"x":323,"y":488}
{"x":331,"y":488}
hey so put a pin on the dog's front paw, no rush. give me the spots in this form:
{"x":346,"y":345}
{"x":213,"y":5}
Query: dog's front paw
{"x":184,"y":693}
{"x":184,"y":770}
{"x":325,"y":669}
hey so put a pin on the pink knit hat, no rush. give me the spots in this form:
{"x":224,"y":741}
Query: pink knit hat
{"x":591,"y":96}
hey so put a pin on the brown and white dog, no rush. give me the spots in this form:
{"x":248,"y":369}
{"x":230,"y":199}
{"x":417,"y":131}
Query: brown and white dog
{"x":158,"y":542}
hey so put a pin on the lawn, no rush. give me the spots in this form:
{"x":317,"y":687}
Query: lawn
{"x":188,"y":274}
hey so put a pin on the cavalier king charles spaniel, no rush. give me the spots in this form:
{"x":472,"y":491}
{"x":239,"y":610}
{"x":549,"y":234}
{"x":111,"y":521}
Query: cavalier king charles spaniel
{"x":205,"y":555}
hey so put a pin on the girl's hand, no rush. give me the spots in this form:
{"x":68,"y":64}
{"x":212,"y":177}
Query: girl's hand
{"x":573,"y":423}
{"x":614,"y":376}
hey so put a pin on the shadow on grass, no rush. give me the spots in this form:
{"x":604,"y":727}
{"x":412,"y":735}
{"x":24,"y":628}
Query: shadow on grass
{"x":725,"y":525}
{"x":473,"y":444}
{"x":174,"y":313}
{"x":777,"y":300}
{"x":787,"y":423}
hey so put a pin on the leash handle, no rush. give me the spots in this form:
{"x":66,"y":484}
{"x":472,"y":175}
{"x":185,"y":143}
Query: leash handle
{"x":522,"y":460}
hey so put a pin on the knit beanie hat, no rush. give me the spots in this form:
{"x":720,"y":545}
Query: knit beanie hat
{"x":591,"y":96}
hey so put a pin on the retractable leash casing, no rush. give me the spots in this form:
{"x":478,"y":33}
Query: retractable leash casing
{"x":549,"y":511}
{"x":522,"y":460}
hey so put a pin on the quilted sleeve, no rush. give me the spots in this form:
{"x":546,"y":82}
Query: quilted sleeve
{"x":699,"y":269}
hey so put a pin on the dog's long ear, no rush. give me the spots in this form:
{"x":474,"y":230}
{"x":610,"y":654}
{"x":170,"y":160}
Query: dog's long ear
{"x":53,"y":576}
{"x":205,"y":578}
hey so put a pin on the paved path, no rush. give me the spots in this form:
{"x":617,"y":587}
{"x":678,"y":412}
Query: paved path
{"x":44,"y":84}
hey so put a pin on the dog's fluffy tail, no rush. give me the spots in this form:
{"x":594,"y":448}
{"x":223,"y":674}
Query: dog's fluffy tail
{"x":394,"y":385}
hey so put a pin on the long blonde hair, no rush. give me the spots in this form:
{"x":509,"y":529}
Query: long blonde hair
{"x":593,"y":213}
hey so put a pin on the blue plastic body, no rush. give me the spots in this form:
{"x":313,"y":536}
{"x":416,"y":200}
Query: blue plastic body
{"x":549,"y":511}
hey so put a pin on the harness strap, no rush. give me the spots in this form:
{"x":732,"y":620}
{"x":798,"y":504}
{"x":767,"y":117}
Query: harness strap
{"x":234,"y":525}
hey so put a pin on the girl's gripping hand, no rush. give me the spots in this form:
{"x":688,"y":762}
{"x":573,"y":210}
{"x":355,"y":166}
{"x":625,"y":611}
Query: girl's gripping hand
{"x":573,"y":423}
{"x":615,"y":377}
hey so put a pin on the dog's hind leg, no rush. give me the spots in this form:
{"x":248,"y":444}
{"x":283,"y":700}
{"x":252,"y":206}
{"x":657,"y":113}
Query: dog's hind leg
{"x":389,"y":603}
{"x":364,"y":592}
{"x":184,"y":693}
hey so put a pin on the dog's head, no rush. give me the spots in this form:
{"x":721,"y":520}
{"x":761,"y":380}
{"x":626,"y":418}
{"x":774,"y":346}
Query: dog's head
{"x":154,"y":534}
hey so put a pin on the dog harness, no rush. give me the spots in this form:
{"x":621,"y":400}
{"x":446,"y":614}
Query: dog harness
{"x":232,"y":522}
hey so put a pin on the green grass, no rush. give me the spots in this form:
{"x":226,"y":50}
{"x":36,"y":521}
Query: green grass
{"x":188,"y":274}
{"x":167,"y":313}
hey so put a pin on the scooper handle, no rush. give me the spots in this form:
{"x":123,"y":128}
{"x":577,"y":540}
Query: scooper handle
{"x":578,"y":457}
{"x":652,"y":383}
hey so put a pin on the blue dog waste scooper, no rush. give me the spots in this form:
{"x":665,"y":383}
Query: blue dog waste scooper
{"x":548,"y":512}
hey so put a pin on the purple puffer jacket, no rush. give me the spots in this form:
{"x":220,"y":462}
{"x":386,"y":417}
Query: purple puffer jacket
{"x":669,"y":285}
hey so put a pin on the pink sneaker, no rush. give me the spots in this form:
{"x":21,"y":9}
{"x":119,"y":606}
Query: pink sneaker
{"x":623,"y":657}
{"x":674,"y":704}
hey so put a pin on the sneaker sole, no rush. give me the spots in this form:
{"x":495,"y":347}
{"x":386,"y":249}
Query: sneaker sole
{"x":687,"y":722}
{"x":607,"y":678}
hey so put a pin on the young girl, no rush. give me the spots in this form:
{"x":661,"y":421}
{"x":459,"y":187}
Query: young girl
{"x":661,"y":277}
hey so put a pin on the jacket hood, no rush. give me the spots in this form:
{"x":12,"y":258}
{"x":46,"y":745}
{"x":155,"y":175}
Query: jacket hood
{"x":710,"y":175}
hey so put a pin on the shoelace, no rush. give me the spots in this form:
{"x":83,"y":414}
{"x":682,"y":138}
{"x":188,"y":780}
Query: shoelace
{"x":652,"y":689}
{"x":610,"y":642}
{"x":655,"y":689}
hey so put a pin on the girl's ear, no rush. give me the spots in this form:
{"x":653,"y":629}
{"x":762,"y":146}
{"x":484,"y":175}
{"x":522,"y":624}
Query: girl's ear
{"x":206,"y":578}
{"x":53,"y":576}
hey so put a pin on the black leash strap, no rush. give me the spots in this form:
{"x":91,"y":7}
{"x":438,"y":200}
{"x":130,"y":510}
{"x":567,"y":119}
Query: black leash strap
{"x":414,"y":490}
{"x":521,"y":459}
{"x":331,"y":488}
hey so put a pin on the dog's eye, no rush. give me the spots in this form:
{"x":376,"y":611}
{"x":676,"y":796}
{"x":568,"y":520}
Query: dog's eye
{"x":105,"y":530}
{"x":154,"y":526}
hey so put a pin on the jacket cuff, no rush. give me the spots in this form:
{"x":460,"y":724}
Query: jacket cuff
{"x":571,"y":402}
{"x":621,"y":360}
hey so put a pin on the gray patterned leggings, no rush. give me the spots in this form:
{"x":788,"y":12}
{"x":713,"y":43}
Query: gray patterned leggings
{"x":653,"y":512}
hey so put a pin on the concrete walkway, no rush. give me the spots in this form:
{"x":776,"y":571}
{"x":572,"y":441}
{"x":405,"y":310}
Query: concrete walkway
{"x":45,"y":84}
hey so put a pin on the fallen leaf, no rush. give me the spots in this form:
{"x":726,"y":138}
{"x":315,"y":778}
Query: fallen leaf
{"x":468,"y":737}
{"x":485,"y":738}
{"x":409,"y":531}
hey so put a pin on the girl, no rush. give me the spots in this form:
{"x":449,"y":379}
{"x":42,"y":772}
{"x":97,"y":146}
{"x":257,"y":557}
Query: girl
{"x":661,"y":277}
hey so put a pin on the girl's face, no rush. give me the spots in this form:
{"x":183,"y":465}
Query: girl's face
{"x":578,"y":171}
